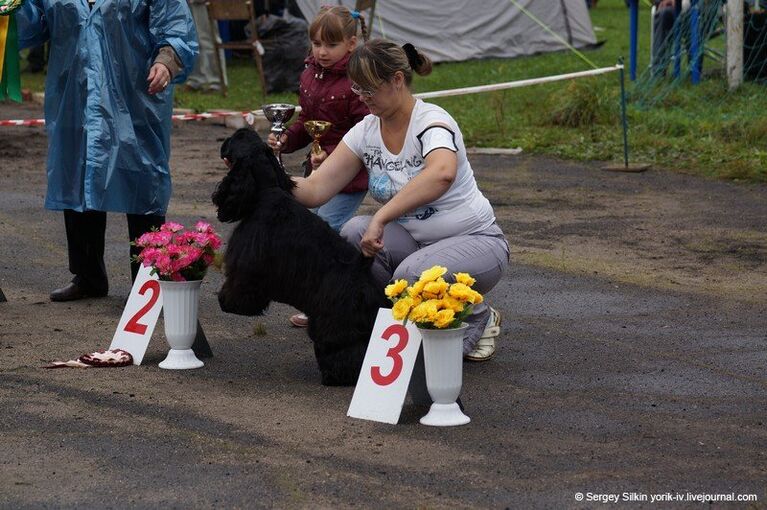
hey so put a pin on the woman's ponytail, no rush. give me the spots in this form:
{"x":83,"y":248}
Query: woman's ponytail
{"x":419,"y":62}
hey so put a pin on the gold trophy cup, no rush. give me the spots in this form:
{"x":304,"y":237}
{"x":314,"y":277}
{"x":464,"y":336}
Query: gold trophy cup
{"x":317,"y":128}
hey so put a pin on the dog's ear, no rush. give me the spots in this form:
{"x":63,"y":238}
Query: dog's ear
{"x":236,"y":194}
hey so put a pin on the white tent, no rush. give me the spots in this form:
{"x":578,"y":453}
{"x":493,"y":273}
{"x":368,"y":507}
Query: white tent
{"x":453,"y":30}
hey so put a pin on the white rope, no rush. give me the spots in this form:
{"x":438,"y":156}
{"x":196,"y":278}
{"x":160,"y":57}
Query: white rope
{"x":518,"y":83}
{"x":250,"y":116}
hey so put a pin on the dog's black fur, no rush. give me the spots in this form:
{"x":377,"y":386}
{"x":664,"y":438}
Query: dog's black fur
{"x":282,"y":252}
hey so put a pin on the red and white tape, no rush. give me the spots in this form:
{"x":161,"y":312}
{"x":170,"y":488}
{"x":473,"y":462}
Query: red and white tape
{"x":249,"y":117}
{"x":27,"y":122}
{"x":183,"y":116}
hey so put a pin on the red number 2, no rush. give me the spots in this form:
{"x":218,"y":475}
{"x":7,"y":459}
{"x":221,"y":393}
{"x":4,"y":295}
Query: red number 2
{"x":393,"y":353}
{"x":133,"y":325}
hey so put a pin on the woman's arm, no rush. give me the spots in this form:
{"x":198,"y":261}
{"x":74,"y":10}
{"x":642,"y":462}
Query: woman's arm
{"x":171,"y":24}
{"x":440,"y":169}
{"x":332,"y":176}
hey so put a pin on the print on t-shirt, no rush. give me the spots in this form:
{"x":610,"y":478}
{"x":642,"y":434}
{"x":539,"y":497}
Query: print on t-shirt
{"x":387,"y":176}
{"x":461,"y":210}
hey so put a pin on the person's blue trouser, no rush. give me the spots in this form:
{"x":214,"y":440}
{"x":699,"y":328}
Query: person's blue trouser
{"x":340,"y":209}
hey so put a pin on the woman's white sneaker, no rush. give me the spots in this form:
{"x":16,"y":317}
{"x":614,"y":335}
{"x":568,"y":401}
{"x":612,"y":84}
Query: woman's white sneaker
{"x":485,"y":348}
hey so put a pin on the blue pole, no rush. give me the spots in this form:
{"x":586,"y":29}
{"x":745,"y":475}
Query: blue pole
{"x":623,"y":116}
{"x":633,"y":24}
{"x":677,"y":38}
{"x":695,"y":49}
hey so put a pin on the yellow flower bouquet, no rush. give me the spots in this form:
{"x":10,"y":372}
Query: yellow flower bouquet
{"x":432,"y":302}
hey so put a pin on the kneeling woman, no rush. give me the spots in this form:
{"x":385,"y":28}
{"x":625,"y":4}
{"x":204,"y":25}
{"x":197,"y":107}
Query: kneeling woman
{"x":433,"y":212}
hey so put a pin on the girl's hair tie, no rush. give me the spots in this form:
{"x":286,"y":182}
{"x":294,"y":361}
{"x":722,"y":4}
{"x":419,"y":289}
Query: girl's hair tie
{"x":355,"y":14}
{"x":413,"y":58}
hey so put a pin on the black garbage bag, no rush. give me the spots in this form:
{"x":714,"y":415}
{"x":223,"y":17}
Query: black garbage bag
{"x":286,"y":45}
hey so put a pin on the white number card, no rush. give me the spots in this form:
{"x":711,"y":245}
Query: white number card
{"x":139,"y":316}
{"x":386,"y":371}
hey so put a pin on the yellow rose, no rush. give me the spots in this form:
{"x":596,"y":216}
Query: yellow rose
{"x":432,"y":274}
{"x":444,"y":318}
{"x":401,"y":308}
{"x":396,"y":288}
{"x":461,"y":292}
{"x":425,"y":312}
{"x":464,"y":278}
{"x":453,"y":304}
{"x":416,"y":290}
{"x":435,"y":290}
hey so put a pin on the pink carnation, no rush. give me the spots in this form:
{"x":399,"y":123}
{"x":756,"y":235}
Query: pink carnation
{"x":173,"y":250}
{"x":171,"y":227}
{"x":203,"y":226}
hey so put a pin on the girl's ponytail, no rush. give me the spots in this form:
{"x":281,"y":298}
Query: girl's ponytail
{"x":363,"y":26}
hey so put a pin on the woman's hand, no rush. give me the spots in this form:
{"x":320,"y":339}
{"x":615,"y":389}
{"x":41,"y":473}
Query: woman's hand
{"x":372,"y":240}
{"x":317,"y":159}
{"x":159,"y":78}
{"x":272,"y":141}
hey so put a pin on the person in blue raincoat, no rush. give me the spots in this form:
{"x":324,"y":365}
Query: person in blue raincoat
{"x":108,"y":106}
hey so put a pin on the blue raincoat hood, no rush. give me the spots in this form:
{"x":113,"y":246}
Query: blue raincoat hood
{"x":108,"y":139}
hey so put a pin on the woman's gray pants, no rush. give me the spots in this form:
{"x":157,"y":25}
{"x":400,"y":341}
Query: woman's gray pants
{"x":483,"y":255}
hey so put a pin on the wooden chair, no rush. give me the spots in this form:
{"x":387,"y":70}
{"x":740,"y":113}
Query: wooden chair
{"x":236,"y":10}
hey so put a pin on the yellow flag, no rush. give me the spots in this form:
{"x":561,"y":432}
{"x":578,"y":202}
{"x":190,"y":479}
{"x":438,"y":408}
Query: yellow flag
{"x":4,"y":20}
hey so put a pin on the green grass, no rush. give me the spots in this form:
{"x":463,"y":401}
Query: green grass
{"x":702,"y":130}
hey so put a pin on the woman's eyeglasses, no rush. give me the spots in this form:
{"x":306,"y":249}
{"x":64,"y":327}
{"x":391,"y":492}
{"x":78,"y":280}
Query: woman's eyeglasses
{"x":362,"y":92}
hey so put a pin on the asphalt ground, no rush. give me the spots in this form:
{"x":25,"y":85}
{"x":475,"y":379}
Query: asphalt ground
{"x":631,"y":362}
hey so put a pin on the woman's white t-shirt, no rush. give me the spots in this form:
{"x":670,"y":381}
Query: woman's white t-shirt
{"x":462,"y":210}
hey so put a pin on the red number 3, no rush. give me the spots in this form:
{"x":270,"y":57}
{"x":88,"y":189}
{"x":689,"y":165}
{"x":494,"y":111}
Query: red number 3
{"x":133,"y":326}
{"x":393,"y":353}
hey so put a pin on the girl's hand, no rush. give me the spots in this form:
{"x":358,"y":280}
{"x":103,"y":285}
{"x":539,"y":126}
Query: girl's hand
{"x":159,"y":78}
{"x":317,"y":159}
{"x":372,"y":240}
{"x":272,"y":141}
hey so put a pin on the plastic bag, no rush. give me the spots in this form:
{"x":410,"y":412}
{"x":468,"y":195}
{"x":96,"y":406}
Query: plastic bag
{"x":286,"y":44}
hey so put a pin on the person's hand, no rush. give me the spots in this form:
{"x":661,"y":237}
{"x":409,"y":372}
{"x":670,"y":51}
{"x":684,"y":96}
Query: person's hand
{"x":159,"y":78}
{"x":272,"y":141}
{"x":317,"y":159}
{"x":372,"y":240}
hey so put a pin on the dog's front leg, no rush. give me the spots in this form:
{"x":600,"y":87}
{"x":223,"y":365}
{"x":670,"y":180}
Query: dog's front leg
{"x":242,"y":299}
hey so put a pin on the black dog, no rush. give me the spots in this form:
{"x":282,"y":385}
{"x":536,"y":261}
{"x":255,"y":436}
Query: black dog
{"x":282,"y":252}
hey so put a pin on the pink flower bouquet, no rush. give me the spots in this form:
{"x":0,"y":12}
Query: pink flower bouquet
{"x":177,"y":254}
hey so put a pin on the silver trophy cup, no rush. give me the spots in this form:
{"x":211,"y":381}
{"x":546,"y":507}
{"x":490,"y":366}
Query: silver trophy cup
{"x":278,"y":114}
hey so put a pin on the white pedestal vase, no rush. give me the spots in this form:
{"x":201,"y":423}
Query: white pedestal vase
{"x":179,"y":307}
{"x":443,"y":359}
